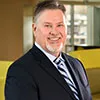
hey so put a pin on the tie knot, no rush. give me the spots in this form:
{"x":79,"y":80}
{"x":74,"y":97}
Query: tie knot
{"x":58,"y":61}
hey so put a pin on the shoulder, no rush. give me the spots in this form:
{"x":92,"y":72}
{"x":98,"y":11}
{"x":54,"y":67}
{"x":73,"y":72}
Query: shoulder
{"x":22,"y":64}
{"x":71,"y":59}
{"x":74,"y":61}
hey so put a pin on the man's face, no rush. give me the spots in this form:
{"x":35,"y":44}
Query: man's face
{"x":50,"y":31}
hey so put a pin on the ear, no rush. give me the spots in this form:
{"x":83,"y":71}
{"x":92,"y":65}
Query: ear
{"x":34,"y":28}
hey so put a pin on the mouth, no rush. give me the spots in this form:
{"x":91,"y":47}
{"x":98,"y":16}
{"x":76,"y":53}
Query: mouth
{"x":54,"y":38}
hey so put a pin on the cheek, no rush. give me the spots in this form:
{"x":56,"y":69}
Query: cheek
{"x":44,"y":34}
{"x":63,"y":32}
{"x":41,"y":35}
{"x":65,"y":36}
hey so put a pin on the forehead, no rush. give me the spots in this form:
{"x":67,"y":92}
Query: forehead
{"x":54,"y":15}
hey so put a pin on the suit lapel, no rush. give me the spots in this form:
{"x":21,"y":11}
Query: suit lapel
{"x":78,"y":80}
{"x":47,"y":65}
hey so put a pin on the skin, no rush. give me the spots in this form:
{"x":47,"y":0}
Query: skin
{"x":50,"y":31}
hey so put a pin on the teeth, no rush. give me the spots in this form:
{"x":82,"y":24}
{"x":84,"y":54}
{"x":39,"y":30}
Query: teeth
{"x":54,"y":38}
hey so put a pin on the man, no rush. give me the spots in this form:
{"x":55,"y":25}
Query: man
{"x":46,"y":73}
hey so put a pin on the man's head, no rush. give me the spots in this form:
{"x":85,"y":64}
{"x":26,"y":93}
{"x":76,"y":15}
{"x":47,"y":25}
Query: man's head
{"x":50,"y":26}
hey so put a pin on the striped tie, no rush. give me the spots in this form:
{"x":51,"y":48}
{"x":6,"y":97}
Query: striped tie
{"x":60,"y":65}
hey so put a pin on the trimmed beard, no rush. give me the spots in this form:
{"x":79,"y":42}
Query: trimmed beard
{"x":54,"y":49}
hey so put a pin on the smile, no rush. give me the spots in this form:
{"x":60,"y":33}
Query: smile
{"x":54,"y":39}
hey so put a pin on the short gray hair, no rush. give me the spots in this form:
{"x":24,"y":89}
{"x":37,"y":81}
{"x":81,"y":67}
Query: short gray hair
{"x":48,"y":4}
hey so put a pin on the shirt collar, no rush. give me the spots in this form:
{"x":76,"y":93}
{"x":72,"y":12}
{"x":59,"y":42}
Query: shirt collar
{"x":59,"y":58}
{"x":51,"y":57}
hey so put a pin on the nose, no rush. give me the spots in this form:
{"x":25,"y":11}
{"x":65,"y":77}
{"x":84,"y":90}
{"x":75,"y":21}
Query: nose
{"x":54,"y":31}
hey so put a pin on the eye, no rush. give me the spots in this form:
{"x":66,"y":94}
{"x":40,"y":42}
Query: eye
{"x":60,"y":25}
{"x":47,"y":25}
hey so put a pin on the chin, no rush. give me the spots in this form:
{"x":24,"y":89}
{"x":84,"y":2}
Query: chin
{"x":54,"y":49}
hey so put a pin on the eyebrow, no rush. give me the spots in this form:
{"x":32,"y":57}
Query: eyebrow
{"x":51,"y":23}
{"x":47,"y":23}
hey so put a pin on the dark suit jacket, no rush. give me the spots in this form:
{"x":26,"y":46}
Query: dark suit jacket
{"x":34,"y":77}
